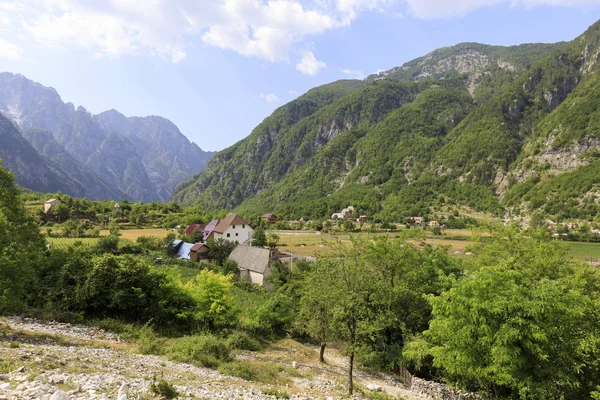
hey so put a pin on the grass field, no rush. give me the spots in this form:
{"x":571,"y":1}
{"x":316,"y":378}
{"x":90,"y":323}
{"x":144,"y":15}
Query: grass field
{"x":63,"y":243}
{"x":584,"y":250}
{"x":133,"y":234}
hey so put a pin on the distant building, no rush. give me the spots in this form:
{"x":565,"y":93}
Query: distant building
{"x":233,"y":229}
{"x":417,"y":220}
{"x":433,"y":224}
{"x":199,"y":252}
{"x":50,"y":204}
{"x":362,"y":218}
{"x":193,"y":228}
{"x":117,"y":207}
{"x":253,"y":263}
{"x":270,"y":218}
{"x":209,"y":228}
{"x":345,"y":214}
{"x":182,"y":249}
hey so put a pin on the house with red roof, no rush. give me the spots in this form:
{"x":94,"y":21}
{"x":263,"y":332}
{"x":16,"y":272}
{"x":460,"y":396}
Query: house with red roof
{"x":193,"y":228}
{"x":232,"y":228}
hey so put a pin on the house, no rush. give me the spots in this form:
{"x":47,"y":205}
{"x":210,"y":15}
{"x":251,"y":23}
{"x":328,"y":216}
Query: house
{"x":50,"y":204}
{"x":117,"y":207}
{"x":433,"y":224}
{"x":199,"y":252}
{"x":209,"y":228}
{"x":417,"y":220}
{"x":345,"y":214}
{"x":193,"y":228}
{"x":362,"y":218}
{"x":233,"y":229}
{"x":182,"y":249}
{"x":270,"y":218}
{"x":253,"y":263}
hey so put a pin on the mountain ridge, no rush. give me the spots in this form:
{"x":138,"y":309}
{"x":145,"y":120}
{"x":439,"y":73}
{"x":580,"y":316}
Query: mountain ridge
{"x":462,"y":146}
{"x":140,"y":171}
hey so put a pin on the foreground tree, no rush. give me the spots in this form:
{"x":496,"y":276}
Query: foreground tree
{"x":21,"y":245}
{"x":524,"y":324}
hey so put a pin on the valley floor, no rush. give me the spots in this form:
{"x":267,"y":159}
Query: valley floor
{"x":38,"y":359}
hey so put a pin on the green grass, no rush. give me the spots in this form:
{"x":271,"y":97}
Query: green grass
{"x":583,"y":250}
{"x":63,"y":243}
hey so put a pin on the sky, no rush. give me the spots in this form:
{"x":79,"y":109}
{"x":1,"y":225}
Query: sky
{"x":217,"y":68}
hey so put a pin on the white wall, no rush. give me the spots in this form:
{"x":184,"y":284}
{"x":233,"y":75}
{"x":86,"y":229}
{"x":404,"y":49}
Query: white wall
{"x":255,"y":277}
{"x":239,"y":233}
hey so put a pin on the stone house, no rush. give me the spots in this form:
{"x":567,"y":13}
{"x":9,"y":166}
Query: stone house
{"x":253,"y":263}
{"x":50,"y":204}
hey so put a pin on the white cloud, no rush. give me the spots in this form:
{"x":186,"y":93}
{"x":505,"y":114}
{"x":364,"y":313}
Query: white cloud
{"x":267,"y":29}
{"x":270,"y":97}
{"x":309,"y":65}
{"x":428,"y":9}
{"x":354,"y":72}
{"x":10,"y":51}
{"x":293,"y":92}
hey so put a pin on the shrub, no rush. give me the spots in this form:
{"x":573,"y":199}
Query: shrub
{"x":240,"y":369}
{"x":242,"y":341}
{"x":277,"y":393}
{"x":206,"y":351}
{"x":164,"y":389}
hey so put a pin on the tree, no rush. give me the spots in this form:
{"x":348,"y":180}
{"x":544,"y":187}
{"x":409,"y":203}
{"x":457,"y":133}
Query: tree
{"x":272,"y":240}
{"x":522,"y":325}
{"x":316,"y":307}
{"x":220,"y":250}
{"x":21,"y":245}
{"x":214,"y":305}
{"x":259,"y":237}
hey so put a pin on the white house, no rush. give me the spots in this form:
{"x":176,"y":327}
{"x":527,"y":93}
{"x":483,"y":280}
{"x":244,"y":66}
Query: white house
{"x":50,"y":204}
{"x":233,"y":229}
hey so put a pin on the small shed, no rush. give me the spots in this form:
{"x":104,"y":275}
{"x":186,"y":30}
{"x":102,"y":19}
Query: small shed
{"x":270,"y":218}
{"x":50,"y":204}
{"x":199,"y":252}
{"x":182,"y":249}
{"x":253,"y":263}
{"x":117,"y":207}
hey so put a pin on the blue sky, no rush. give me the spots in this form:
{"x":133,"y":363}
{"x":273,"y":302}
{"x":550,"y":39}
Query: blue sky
{"x":217,"y":68}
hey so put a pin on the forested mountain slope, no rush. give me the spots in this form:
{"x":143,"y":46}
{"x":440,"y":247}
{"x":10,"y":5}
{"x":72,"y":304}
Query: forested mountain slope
{"x":485,"y":126}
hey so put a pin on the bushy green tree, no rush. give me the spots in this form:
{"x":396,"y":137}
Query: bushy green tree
{"x":214,"y":306}
{"x":220,"y":250}
{"x":21,"y":245}
{"x":524,"y":324}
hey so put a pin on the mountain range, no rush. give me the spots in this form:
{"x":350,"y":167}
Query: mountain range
{"x":51,"y":145}
{"x":504,"y":130}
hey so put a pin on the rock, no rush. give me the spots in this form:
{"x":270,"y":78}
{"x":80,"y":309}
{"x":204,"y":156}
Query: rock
{"x":374,"y":387}
{"x":60,"y":395}
{"x":294,"y":364}
{"x":122,"y":397}
{"x":4,"y":385}
{"x":20,"y":369}
{"x":123,"y":391}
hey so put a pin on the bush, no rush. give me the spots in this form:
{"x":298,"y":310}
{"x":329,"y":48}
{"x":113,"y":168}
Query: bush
{"x":277,"y":393}
{"x":164,"y":389}
{"x":242,"y":341}
{"x":206,"y":351}
{"x":265,"y":372}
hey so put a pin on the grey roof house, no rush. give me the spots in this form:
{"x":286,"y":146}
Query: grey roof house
{"x":253,"y":263}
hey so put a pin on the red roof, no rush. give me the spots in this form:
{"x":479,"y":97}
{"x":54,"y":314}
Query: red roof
{"x":197,"y":247}
{"x":193,"y":228}
{"x":231,"y":219}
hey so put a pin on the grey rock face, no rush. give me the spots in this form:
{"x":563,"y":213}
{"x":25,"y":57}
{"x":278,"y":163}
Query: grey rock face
{"x":140,"y":159}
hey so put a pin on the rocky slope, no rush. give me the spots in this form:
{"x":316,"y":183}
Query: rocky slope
{"x":462,"y":125}
{"x":31,"y":170}
{"x":143,"y":160}
{"x":41,"y":359}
